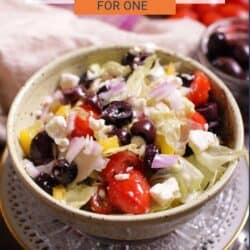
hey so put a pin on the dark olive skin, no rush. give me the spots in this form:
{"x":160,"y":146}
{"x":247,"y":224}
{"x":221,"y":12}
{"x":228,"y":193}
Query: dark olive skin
{"x":240,"y":52}
{"x":186,"y":79}
{"x":75,"y":94}
{"x":122,"y":134}
{"x":93,"y":101}
{"x":229,"y":66}
{"x":150,"y":152}
{"x":217,"y":46}
{"x":145,"y":129}
{"x":46,"y":182}
{"x":64,"y":172}
{"x":84,"y":81}
{"x":42,"y":149}
{"x":209,"y":110}
{"x":118,"y":113}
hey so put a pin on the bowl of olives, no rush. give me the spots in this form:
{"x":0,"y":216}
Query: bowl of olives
{"x":224,"y":48}
{"x":129,"y":226}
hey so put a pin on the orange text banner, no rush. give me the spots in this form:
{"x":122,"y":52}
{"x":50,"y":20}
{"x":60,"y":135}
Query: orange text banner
{"x":142,"y":7}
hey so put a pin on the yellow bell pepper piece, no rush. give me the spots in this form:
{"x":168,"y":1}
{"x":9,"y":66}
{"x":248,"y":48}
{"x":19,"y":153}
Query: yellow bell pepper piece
{"x":55,"y":105}
{"x":109,"y":143}
{"x":170,"y":69}
{"x":63,"y":111}
{"x":59,"y":192}
{"x":162,"y":144}
{"x":26,"y":136}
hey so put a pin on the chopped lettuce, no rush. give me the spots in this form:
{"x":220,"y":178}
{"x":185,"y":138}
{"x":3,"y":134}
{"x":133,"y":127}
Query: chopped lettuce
{"x":78,"y":195}
{"x":114,"y":69}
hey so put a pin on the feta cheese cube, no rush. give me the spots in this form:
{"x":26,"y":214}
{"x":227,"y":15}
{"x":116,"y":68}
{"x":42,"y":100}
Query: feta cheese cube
{"x":56,"y":127}
{"x":164,"y":193}
{"x":200,"y":140}
{"x":69,"y":81}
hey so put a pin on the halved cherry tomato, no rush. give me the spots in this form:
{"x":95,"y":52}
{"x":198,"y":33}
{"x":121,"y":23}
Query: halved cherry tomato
{"x":201,"y":9}
{"x":199,"y":118}
{"x":81,"y":127}
{"x":200,"y":88}
{"x":118,"y":164}
{"x":130,"y":195}
{"x":100,"y":203}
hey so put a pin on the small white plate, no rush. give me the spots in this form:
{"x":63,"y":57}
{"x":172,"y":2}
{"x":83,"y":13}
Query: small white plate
{"x":215,"y":227}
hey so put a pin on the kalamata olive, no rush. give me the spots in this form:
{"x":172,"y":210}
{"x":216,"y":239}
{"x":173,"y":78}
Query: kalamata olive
{"x":85,"y":81}
{"x":150,"y":152}
{"x":64,"y":172}
{"x":213,"y":126}
{"x":145,"y":129}
{"x":46,"y":182}
{"x":93,"y":101}
{"x":188,"y":151}
{"x":229,"y":66}
{"x":209,"y":111}
{"x":132,"y":60}
{"x":118,"y":113}
{"x":217,"y":46}
{"x":42,"y":149}
{"x":128,"y":59}
{"x":186,"y":79}
{"x":240,"y":52}
{"x":122,"y":134}
{"x":102,"y":90}
{"x":75,"y":94}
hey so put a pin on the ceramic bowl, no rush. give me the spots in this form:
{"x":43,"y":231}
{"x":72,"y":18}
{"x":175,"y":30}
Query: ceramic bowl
{"x":116,"y":227}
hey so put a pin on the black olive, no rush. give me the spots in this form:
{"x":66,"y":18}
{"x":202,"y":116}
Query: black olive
{"x":64,"y":172}
{"x":118,"y":113}
{"x":122,"y":134}
{"x":150,"y":152}
{"x":93,"y":101}
{"x":229,"y":66}
{"x":145,"y":129}
{"x":85,"y":81}
{"x":240,"y":52}
{"x":186,"y":79}
{"x":209,"y":111}
{"x":217,"y":46}
{"x":46,"y":182}
{"x":75,"y":94}
{"x":42,"y":149}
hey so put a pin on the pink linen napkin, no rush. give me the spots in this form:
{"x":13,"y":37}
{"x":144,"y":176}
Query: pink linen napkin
{"x":33,"y":35}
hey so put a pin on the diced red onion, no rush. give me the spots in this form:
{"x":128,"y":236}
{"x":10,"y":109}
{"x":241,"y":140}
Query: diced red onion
{"x":163,"y":161}
{"x":176,"y":100}
{"x":115,"y":88}
{"x":32,"y":171}
{"x":75,"y":147}
{"x":58,"y":95}
{"x":47,"y":168}
{"x":163,"y":90}
{"x":71,"y":121}
{"x":96,"y":148}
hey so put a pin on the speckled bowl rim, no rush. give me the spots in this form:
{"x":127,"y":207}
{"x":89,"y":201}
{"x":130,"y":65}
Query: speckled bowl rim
{"x":173,"y":212}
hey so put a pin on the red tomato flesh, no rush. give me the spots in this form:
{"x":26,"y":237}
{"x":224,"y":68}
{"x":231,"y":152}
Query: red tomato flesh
{"x":130,"y":195}
{"x":119,"y":162}
{"x":200,"y":88}
{"x":199,"y":118}
{"x":81,"y":127}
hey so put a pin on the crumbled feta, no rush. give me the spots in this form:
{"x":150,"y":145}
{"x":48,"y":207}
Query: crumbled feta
{"x":136,"y":50}
{"x":164,"y":193}
{"x":149,"y":47}
{"x":200,"y":140}
{"x":63,"y":144}
{"x":121,"y":177}
{"x":100,"y":129}
{"x":69,"y":81}
{"x":157,"y":71}
{"x":102,"y":193}
{"x":56,"y":127}
{"x":175,"y":80}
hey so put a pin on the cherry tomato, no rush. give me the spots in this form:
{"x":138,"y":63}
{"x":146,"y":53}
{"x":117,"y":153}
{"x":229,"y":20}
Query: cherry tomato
{"x":119,"y":163}
{"x":183,"y":7}
{"x":130,"y":195}
{"x":185,"y":13}
{"x":81,"y":127}
{"x":199,"y":118}
{"x":210,"y":17}
{"x":233,"y":10}
{"x":90,"y":110}
{"x":200,"y":88}
{"x":99,"y":202}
